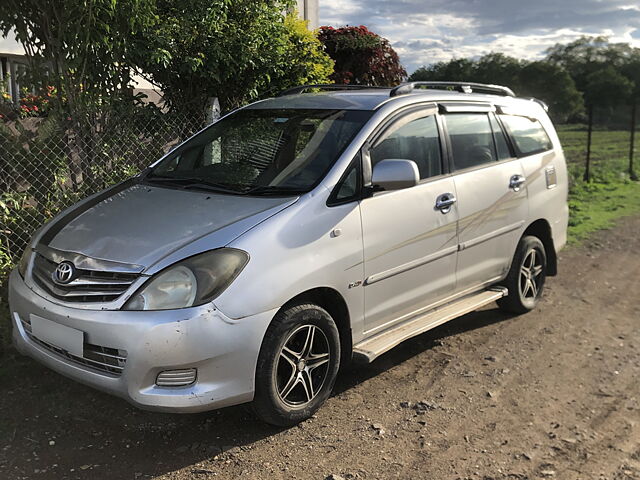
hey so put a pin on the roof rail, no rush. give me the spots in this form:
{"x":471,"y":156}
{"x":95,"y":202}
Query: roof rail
{"x":464,"y":87}
{"x":542,"y":103}
{"x":327,"y":86}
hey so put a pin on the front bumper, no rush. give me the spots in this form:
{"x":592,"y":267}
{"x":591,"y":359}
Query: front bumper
{"x":223,"y":350}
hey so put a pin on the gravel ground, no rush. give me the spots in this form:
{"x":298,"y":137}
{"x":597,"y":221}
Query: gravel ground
{"x":551,"y":394}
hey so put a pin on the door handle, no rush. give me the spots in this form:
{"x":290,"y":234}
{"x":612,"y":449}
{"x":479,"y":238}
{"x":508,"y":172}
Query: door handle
{"x":445,"y":201}
{"x":516,"y":181}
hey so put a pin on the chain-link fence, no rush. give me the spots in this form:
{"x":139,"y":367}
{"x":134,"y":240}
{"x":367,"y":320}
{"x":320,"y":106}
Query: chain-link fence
{"x":48,"y":164}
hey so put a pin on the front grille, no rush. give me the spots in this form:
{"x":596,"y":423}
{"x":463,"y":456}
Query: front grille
{"x":95,"y":357}
{"x":88,"y":286}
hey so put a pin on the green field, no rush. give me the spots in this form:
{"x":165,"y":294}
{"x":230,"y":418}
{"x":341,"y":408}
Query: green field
{"x":611,"y":194}
{"x":609,"y":150}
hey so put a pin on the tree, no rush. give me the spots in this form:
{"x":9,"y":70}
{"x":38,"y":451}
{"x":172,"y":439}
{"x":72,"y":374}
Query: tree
{"x":586,"y":59}
{"x":605,"y":87}
{"x":494,"y":68}
{"x":500,"y":69}
{"x":231,"y":49}
{"x":539,"y":79}
{"x":580,"y":58}
{"x":361,"y":57}
{"x":83,"y":49}
{"x":80,"y":47}
{"x":552,"y":84}
{"x":456,"y":70}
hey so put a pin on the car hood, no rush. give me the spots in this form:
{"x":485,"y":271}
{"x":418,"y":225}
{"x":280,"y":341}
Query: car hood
{"x":142,"y":224}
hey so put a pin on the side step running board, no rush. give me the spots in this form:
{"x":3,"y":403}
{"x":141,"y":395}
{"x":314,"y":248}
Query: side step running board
{"x":371,"y":348}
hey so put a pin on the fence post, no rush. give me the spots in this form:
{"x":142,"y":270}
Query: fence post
{"x":213,"y":110}
{"x":587,"y":173}
{"x":632,"y":144}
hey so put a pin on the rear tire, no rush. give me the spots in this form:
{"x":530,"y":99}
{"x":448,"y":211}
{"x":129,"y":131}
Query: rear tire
{"x":297,"y":366}
{"x":526,"y":277}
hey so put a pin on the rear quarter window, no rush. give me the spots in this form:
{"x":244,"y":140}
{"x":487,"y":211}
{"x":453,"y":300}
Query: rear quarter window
{"x":529,"y":136}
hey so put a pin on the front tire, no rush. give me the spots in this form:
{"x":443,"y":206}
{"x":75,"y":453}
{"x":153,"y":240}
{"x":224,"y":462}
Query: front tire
{"x":526,"y":277}
{"x":297,"y":365}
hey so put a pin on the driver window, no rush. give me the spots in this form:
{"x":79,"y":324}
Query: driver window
{"x":418,"y":140}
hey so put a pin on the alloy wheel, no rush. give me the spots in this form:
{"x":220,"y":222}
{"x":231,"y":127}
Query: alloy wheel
{"x":531,"y":275}
{"x":303,"y":363}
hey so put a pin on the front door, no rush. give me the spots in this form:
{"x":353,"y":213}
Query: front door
{"x":410,"y":245}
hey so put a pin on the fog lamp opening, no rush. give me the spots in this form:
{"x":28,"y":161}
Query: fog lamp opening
{"x":176,"y":378}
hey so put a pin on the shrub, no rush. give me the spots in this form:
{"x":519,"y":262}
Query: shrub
{"x":36,"y":105}
{"x":361,"y":57}
{"x":303,"y":60}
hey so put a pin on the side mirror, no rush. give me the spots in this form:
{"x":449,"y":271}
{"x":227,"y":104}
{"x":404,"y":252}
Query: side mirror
{"x":395,"y":174}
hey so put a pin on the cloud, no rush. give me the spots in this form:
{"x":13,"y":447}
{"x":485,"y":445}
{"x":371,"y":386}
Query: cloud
{"x":428,"y":31}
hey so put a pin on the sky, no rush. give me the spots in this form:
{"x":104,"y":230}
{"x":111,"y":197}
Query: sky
{"x":429,"y":31}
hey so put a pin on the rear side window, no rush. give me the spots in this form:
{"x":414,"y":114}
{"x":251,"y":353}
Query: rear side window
{"x":471,"y":138}
{"x":418,"y":140}
{"x":528,"y":134}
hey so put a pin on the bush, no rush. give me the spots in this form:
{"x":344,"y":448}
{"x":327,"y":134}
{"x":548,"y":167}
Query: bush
{"x":361,"y":57}
{"x":235,"y":50}
{"x":36,"y":105}
{"x":303,"y":60}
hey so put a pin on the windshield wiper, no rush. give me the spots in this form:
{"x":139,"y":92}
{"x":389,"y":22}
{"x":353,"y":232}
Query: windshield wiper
{"x":188,"y":183}
{"x":200,"y":184}
{"x":273,"y":190}
{"x":211,"y":187}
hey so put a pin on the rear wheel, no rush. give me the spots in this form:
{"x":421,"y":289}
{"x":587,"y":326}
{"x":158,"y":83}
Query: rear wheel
{"x":297,"y":366}
{"x":526,"y":277}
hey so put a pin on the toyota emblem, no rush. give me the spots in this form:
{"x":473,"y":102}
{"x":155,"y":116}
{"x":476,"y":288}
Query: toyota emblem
{"x":64,"y":272}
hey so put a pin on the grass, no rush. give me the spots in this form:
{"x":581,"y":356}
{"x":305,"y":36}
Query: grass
{"x":609,"y":149}
{"x":610,"y":195}
{"x":595,"y":206}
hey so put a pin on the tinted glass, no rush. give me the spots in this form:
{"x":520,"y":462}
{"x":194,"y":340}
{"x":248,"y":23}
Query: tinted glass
{"x":418,"y":140}
{"x":471,"y":139}
{"x":501,"y":141}
{"x":528,"y":135}
{"x":262,"y":151}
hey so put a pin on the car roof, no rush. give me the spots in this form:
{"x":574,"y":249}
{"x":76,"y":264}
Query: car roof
{"x":373,"y":99}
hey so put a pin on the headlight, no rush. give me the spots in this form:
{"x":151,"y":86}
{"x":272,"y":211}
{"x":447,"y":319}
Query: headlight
{"x":24,"y":261}
{"x":190,"y":282}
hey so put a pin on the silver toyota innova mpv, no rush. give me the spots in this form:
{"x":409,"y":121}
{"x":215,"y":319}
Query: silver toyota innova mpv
{"x":292,"y":235}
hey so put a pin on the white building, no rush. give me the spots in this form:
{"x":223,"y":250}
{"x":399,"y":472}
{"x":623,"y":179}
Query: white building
{"x":12,"y":63}
{"x":309,"y":10}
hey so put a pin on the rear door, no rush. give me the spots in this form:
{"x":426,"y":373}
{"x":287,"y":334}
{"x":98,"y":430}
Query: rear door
{"x":410,"y":245}
{"x":492,"y":201}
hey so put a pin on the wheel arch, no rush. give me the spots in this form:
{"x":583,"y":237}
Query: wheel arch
{"x":334,"y":303}
{"x":542,"y":230}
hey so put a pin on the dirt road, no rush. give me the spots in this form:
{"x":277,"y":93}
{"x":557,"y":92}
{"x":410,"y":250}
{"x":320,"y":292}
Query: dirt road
{"x":551,"y":394}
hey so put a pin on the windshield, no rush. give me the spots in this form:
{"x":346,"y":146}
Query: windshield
{"x":262,"y":151}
